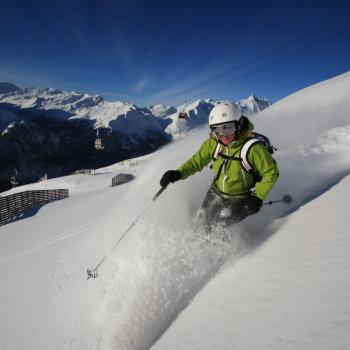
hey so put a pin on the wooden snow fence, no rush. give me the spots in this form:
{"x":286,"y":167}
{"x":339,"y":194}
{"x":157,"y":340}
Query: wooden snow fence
{"x":122,"y":179}
{"x":14,"y":204}
{"x":85,"y":171}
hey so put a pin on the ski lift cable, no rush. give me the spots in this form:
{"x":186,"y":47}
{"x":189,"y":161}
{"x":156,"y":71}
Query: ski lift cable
{"x":80,"y":139}
{"x":98,"y":142}
{"x":309,"y":42}
{"x":183,"y":114}
{"x":224,"y":73}
{"x":74,"y":142}
{"x":227,"y":82}
{"x":77,"y":141}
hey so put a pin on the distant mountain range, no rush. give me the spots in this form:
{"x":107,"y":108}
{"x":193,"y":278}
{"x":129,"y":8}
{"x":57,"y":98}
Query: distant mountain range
{"x":53,"y":132}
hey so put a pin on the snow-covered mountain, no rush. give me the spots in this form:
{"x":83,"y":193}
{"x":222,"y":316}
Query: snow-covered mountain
{"x":6,"y":88}
{"x":63,"y":105}
{"x":57,"y":130}
{"x":281,"y":275}
{"x":73,"y":105}
{"x":162,"y":111}
{"x":253,"y":105}
{"x":50,"y":99}
{"x":198,"y":113}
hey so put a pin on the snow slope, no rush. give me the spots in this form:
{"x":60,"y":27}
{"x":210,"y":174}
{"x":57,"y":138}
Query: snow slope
{"x":278,"y":280}
{"x":293,"y":293}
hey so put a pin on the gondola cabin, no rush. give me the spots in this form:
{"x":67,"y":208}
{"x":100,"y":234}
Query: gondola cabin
{"x":14,"y":182}
{"x":99,"y":145}
{"x":183,"y":115}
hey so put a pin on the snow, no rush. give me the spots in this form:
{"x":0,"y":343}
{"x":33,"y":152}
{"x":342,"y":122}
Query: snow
{"x":162,"y":111}
{"x":279,"y":280}
{"x":293,"y":293}
{"x":118,"y":116}
{"x":253,"y":105}
{"x":197,"y":111}
{"x":51,"y":99}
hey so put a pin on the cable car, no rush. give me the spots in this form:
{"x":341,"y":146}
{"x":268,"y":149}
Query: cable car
{"x":183,"y":114}
{"x":98,"y":143}
{"x":13,"y":180}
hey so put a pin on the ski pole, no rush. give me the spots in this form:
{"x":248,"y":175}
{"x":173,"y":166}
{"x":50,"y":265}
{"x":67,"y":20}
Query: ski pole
{"x":93,"y":273}
{"x":285,"y":199}
{"x":158,"y":193}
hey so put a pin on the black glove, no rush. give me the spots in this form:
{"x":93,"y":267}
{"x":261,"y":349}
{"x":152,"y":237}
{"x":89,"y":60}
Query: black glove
{"x":251,"y":205}
{"x":170,"y":176}
{"x":255,"y":204}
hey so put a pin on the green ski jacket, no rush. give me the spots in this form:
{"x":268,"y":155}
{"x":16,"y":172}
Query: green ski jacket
{"x":231,"y":178}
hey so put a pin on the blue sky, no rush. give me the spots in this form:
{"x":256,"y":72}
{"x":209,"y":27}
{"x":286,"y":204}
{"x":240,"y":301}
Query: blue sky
{"x":147,"y":52}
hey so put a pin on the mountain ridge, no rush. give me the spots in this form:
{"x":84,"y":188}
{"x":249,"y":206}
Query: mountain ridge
{"x":49,"y":131}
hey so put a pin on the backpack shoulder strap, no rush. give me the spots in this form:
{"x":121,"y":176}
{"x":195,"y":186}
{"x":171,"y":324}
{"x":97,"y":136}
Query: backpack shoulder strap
{"x":266,"y":142}
{"x":217,"y":152}
{"x":244,"y":153}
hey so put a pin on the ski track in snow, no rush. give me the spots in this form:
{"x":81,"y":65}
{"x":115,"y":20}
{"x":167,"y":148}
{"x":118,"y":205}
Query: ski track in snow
{"x":149,"y":288}
{"x":145,"y":291}
{"x":161,"y":264}
{"x":44,"y":244}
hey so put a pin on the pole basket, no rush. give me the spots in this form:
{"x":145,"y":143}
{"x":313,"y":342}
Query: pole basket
{"x":92,"y":273}
{"x":287,"y":199}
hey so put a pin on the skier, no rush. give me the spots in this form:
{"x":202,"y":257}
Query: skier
{"x":244,"y":170}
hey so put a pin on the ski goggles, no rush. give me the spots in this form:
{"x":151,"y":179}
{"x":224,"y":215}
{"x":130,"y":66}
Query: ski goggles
{"x":223,"y":129}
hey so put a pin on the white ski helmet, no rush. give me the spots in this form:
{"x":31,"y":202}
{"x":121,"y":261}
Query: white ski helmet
{"x":224,"y":112}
